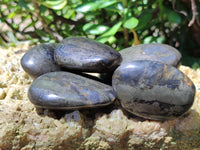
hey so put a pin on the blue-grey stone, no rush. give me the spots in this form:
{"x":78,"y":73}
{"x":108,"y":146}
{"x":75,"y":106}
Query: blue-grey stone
{"x":39,"y":60}
{"x":64,"y":90}
{"x":78,"y":53}
{"x":156,"y":52}
{"x":153,"y":90}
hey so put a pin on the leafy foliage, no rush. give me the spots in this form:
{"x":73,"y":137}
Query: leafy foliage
{"x":107,"y":21}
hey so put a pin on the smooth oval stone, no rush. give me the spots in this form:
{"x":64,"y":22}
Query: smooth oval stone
{"x":77,"y":53}
{"x":153,"y":90}
{"x":39,"y":60}
{"x":154,"y":52}
{"x":64,"y":90}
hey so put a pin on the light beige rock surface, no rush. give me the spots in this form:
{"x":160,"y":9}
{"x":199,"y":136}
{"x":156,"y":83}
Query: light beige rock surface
{"x":24,"y":128}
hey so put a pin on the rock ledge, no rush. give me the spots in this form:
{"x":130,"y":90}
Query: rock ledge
{"x":22,"y":127}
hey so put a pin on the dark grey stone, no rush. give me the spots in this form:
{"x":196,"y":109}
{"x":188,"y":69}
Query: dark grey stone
{"x":153,"y":90}
{"x":155,"y":52}
{"x":77,"y":53}
{"x":39,"y":60}
{"x":63,"y":90}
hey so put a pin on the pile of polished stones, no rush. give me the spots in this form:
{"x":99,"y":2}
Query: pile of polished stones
{"x":144,"y":78}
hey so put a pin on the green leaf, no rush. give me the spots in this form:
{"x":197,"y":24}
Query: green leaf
{"x":23,"y":4}
{"x":68,"y":12}
{"x":94,"y":5}
{"x":54,"y":4}
{"x":148,"y":39}
{"x":43,"y":9}
{"x":94,"y":29}
{"x":131,"y":23}
{"x":87,"y":7}
{"x":173,"y":17}
{"x":11,"y":15}
{"x":160,"y":39}
{"x":126,"y":14}
{"x":111,"y":40}
{"x":111,"y":32}
{"x":41,"y":33}
{"x":120,"y":6}
{"x":144,"y":20}
{"x":195,"y":66}
{"x":108,"y":3}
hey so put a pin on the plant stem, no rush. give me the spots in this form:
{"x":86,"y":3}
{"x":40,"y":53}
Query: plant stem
{"x":126,"y":37}
{"x":136,"y":40}
{"x":125,"y":31}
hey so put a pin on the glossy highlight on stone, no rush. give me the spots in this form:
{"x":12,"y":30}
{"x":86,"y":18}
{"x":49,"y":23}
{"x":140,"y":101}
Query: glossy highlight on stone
{"x":39,"y":60}
{"x":155,"y":52}
{"x":64,"y":90}
{"x":78,"y":53}
{"x":153,"y":90}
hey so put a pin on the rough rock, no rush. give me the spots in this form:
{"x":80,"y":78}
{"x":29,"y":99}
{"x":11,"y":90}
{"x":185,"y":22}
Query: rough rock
{"x":81,"y":54}
{"x":64,"y":90}
{"x":156,"y":52}
{"x":40,"y":60}
{"x":22,"y":127}
{"x":153,"y":90}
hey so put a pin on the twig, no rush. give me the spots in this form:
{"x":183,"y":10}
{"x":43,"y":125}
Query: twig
{"x":181,"y":12}
{"x":64,"y":20}
{"x":56,"y":36}
{"x":16,"y":30}
{"x":9,"y":24}
{"x":3,"y":38}
{"x":32,"y":19}
{"x":194,"y":13}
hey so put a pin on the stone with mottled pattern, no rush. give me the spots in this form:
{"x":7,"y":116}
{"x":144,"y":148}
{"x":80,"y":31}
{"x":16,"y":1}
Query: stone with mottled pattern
{"x":64,"y":90}
{"x":153,"y":90}
{"x":81,"y":54}
{"x":156,"y":52}
{"x":40,"y":60}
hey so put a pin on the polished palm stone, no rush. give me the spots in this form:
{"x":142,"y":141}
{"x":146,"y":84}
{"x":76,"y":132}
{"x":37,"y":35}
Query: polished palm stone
{"x":39,"y":60}
{"x":64,"y":90}
{"x":153,"y":90}
{"x":155,"y":52}
{"x":77,"y":53}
